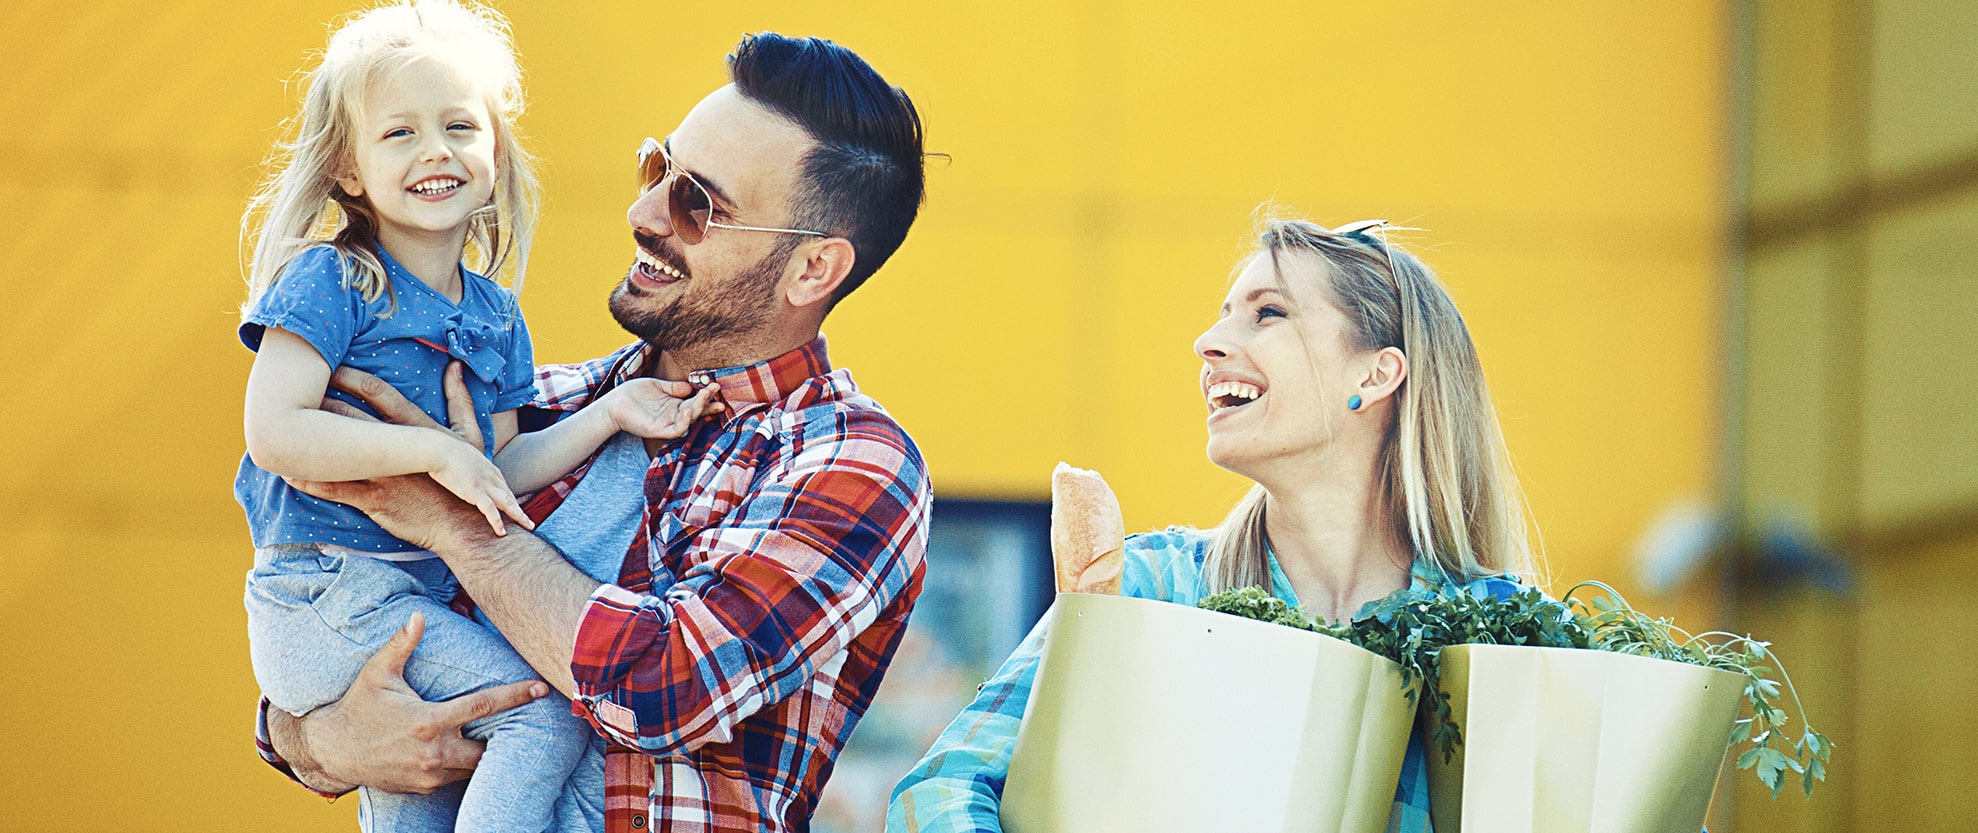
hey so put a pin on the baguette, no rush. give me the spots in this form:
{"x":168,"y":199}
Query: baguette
{"x":1088,"y":533}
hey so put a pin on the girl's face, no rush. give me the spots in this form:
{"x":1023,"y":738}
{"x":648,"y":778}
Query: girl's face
{"x":1272,"y":365}
{"x":425,"y":152}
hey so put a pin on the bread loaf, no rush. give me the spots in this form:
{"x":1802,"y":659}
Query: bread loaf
{"x":1088,"y":533}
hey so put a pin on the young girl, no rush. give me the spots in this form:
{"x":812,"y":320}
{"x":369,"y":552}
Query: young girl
{"x":404,"y":155}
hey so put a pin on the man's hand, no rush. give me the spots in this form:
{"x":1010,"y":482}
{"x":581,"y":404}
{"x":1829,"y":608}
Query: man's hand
{"x":415,"y":508}
{"x":394,"y":408}
{"x":383,"y":736}
{"x":531,"y":592}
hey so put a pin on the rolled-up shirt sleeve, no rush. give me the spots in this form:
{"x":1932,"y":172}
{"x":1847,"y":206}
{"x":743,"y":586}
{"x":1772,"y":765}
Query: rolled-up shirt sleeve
{"x":264,"y":745}
{"x":784,"y":582}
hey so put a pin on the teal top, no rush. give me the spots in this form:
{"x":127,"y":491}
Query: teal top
{"x":958,"y":786}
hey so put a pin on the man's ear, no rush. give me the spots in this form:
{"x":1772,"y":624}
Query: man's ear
{"x":1386,"y":369}
{"x":823,"y":268}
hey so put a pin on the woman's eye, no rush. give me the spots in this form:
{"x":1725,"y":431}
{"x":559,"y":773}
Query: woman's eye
{"x":1264,"y":312}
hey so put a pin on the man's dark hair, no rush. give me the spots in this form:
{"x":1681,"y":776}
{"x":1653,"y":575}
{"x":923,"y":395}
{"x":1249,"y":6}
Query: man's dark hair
{"x":864,"y":178}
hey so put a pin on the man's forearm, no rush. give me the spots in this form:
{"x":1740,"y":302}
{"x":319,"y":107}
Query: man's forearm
{"x":291,"y":744}
{"x":529,"y":591}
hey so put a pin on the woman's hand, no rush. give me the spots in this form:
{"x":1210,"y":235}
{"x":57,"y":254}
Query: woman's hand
{"x":658,"y":409}
{"x":382,"y":735}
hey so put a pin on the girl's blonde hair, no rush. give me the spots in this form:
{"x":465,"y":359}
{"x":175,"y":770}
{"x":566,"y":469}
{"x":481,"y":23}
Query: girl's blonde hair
{"x":1446,"y":473}
{"x":300,"y":204}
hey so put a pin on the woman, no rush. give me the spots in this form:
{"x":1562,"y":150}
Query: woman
{"x":1341,"y":379}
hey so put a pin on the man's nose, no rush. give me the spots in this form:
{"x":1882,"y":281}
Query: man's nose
{"x":648,"y":214}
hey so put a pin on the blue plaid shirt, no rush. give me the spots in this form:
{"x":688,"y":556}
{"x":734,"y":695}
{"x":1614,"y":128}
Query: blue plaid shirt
{"x":958,"y":786}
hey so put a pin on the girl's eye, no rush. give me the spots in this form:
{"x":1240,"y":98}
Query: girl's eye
{"x":397,"y":132}
{"x":461,"y":125}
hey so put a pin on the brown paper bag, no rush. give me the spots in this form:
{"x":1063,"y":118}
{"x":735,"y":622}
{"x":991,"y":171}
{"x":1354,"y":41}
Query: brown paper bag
{"x":1565,"y":740}
{"x":1150,"y":717}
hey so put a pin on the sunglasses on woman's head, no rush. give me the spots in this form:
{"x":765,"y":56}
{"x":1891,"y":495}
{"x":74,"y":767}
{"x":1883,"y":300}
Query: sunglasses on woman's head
{"x":1365,"y":232}
{"x":689,"y":208}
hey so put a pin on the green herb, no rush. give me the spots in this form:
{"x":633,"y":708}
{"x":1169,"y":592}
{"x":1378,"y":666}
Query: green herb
{"x":1620,"y":628}
{"x":1413,"y":626}
{"x":1256,"y":603}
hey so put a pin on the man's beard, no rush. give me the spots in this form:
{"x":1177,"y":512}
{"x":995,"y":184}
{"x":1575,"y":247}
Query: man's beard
{"x":694,"y":319}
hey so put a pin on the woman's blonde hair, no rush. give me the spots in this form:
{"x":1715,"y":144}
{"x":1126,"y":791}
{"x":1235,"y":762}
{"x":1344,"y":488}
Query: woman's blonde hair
{"x":1446,"y":474}
{"x":300,"y":204}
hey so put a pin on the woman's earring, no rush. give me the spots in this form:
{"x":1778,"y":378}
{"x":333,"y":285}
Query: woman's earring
{"x":1353,"y":402}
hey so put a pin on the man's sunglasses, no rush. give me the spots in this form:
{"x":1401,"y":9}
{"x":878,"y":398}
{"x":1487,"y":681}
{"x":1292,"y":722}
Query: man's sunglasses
{"x":689,"y":209}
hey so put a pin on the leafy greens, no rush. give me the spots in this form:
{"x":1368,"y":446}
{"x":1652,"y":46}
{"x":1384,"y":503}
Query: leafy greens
{"x":1413,"y":626}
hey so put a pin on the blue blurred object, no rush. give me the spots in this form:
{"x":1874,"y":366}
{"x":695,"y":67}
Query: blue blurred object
{"x":1783,"y":549}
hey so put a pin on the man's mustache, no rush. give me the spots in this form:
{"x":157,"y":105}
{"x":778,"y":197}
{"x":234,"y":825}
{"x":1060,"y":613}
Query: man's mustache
{"x":657,"y":248}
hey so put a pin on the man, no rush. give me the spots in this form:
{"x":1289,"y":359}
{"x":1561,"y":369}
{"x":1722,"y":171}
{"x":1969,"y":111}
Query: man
{"x":779,"y":549}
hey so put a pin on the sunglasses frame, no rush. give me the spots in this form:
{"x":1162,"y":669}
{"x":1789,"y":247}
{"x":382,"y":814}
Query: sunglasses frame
{"x":1370,"y":230}
{"x":691,"y":231}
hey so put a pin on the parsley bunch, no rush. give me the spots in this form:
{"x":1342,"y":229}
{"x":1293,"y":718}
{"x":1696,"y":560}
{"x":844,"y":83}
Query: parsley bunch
{"x":1413,"y":626}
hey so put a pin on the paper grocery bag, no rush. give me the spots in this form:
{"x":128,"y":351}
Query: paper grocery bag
{"x":1566,"y":740}
{"x":1149,"y":717}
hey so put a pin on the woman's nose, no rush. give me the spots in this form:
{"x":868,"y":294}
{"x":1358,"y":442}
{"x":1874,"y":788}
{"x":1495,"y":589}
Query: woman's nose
{"x":1211,"y":345}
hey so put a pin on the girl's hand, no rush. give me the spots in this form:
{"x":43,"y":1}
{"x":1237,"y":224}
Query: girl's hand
{"x":473,"y":478}
{"x":658,"y":409}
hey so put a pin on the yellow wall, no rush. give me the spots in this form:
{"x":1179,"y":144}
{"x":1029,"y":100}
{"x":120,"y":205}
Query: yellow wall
{"x":1862,"y":391}
{"x":1566,"y":159}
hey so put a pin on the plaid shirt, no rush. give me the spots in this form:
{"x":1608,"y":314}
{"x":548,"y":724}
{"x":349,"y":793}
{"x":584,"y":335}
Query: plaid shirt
{"x":958,"y":786}
{"x":760,"y":601}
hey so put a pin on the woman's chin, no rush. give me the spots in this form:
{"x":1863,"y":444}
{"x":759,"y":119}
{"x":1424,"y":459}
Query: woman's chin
{"x":1229,"y":455}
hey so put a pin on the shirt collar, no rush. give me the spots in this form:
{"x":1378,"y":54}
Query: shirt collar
{"x":400,"y":275}
{"x":742,"y":385}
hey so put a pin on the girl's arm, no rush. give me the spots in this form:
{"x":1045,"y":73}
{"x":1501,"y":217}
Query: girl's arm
{"x":288,"y":434}
{"x":650,"y":408}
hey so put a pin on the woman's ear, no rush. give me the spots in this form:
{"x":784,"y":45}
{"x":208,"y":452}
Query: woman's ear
{"x":824,"y":265}
{"x":1387,"y":368}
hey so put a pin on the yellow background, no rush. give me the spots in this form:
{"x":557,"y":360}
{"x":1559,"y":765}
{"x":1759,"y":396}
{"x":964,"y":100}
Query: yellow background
{"x":1568,"y":161}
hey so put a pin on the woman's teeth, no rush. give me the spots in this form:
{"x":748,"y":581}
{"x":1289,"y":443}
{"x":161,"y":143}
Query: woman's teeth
{"x":438,"y":185}
{"x":647,"y":260}
{"x":1230,"y":394}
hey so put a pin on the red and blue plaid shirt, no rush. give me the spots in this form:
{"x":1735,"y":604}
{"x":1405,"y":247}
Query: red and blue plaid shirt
{"x":760,"y":601}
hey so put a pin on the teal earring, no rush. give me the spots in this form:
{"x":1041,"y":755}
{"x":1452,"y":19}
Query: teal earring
{"x":1353,"y":402}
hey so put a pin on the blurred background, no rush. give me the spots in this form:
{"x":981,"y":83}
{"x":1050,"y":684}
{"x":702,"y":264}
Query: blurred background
{"x":1717,"y":257}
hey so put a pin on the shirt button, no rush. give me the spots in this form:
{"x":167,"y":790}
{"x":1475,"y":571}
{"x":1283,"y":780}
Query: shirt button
{"x":638,"y":821}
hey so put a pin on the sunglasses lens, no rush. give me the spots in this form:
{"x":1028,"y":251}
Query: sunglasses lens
{"x":652,"y":165}
{"x":690,"y":207}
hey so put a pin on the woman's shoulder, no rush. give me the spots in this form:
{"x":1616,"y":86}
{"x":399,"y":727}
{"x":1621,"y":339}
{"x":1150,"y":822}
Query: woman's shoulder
{"x":1172,"y":542}
{"x":1165,"y":564}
